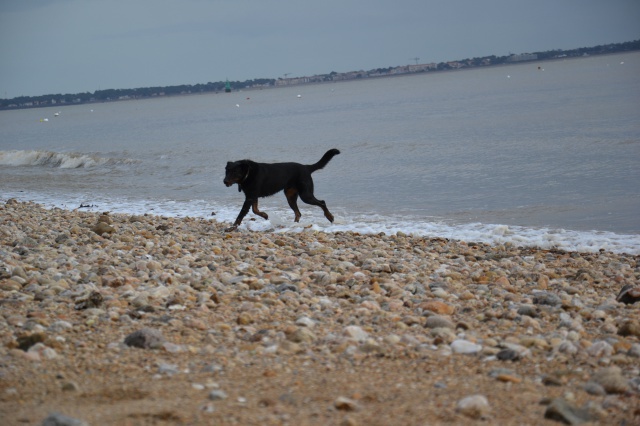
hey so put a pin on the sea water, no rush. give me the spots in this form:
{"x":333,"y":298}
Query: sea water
{"x":538,"y":154}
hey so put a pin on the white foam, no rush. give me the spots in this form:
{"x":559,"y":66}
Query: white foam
{"x":281,"y":220}
{"x":56,"y":159}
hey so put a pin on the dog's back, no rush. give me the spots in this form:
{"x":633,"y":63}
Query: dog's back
{"x":270,"y":178}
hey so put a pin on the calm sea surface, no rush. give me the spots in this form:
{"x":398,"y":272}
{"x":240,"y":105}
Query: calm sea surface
{"x":544,"y":153}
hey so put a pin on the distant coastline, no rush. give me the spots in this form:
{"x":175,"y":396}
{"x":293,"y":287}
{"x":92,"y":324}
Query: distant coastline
{"x":112,"y":95}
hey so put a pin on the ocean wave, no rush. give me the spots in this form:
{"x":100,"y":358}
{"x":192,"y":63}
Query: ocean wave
{"x":62,"y":160}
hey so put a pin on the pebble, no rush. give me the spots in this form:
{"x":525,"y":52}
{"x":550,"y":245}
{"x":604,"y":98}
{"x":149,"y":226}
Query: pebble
{"x":217,"y":395}
{"x":41,"y":352}
{"x":611,"y":380}
{"x":509,"y":378}
{"x":345,"y":404}
{"x":103,"y":228}
{"x":305,"y":322}
{"x":518,"y":350}
{"x":565,"y":412}
{"x":595,"y":389}
{"x":146,"y":338}
{"x":546,"y":298}
{"x":600,"y":349}
{"x":168,"y":369}
{"x":629,"y":294}
{"x":438,"y":307}
{"x":438,"y":321}
{"x":465,"y":347}
{"x":302,"y":335}
{"x":528,"y":310}
{"x":630,"y":328}
{"x":57,"y":419}
{"x":474,"y":406}
{"x":507,"y":355}
{"x":356,"y":333}
{"x":70,"y":386}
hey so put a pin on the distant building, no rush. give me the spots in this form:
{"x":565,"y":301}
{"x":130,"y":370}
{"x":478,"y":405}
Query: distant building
{"x":422,"y":67}
{"x":522,"y":57}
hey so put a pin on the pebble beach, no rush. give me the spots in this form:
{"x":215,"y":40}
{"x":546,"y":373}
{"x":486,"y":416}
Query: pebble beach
{"x":116,"y":319}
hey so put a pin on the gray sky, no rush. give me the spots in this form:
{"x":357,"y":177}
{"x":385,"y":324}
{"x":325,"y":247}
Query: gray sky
{"x":72,"y":46}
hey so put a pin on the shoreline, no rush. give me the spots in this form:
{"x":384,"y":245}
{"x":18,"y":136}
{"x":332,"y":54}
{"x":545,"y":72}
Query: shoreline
{"x":541,"y":237}
{"x":305,"y":328}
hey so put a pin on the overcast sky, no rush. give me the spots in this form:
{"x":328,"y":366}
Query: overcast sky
{"x":72,"y":46}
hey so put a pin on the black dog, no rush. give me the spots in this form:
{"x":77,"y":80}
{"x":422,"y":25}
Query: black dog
{"x":259,"y":180}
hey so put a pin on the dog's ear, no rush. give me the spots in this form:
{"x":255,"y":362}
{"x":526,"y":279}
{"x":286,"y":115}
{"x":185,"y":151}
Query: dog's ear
{"x":244,"y":166}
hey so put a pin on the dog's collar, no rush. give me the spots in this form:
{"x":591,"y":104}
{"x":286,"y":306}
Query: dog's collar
{"x":243,"y":179}
{"x":245,"y":176}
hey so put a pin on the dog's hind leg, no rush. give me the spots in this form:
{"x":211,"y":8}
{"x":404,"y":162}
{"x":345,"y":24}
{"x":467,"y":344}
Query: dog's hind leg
{"x":309,"y":198}
{"x":292,"y":198}
{"x":254,"y":208}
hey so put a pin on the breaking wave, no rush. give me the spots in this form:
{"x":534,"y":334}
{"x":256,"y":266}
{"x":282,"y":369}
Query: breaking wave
{"x":67,"y":160}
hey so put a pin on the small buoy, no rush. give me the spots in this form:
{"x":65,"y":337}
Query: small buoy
{"x":299,"y":96}
{"x":237,"y":105}
{"x":508,"y":76}
{"x":622,"y":63}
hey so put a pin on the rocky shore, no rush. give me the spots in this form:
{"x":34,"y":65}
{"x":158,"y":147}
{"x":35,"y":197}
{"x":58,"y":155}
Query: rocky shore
{"x":112,"y":319}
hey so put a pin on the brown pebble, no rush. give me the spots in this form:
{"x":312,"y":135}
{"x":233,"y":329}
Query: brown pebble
{"x":509,"y":378}
{"x":553,"y":381}
{"x":244,"y":319}
{"x":630,"y":328}
{"x":611,"y":379}
{"x":437,"y":307}
{"x":629,"y":294}
{"x":345,"y":404}
{"x":502,"y":281}
{"x":103,"y":228}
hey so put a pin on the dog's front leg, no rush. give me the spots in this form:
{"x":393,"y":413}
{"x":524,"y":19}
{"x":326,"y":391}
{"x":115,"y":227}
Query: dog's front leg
{"x":243,"y":212}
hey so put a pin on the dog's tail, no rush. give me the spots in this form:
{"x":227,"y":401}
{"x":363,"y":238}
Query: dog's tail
{"x":324,"y":160}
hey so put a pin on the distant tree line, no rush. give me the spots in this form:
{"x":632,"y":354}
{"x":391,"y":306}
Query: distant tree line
{"x":148,"y":92}
{"x":122,"y":94}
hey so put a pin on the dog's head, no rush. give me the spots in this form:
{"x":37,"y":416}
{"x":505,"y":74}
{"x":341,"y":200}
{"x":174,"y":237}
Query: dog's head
{"x":236,"y":172}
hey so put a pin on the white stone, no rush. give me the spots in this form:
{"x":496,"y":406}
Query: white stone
{"x":465,"y":347}
{"x":356,"y":333}
{"x":305,"y":322}
{"x":474,"y":406}
{"x":600,"y":349}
